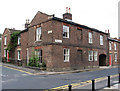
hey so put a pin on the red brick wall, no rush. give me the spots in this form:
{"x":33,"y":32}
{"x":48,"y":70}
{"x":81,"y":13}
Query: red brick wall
{"x":7,"y":34}
{"x":53,"y":52}
{"x":39,"y":17}
{"x":23,"y":46}
{"x":113,"y":51}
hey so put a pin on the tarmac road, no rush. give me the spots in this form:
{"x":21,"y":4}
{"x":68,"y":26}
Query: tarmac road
{"x":14,"y":79}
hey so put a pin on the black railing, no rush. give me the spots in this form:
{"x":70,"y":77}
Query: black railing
{"x":14,"y":61}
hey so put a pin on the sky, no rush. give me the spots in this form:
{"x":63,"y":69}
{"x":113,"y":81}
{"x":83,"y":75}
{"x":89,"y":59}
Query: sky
{"x":98,"y":14}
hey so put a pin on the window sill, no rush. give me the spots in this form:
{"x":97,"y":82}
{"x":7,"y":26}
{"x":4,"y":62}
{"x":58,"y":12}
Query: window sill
{"x":90,"y":43}
{"x":90,"y":60}
{"x":66,"y":61}
{"x":65,"y":37}
{"x":38,"y":41}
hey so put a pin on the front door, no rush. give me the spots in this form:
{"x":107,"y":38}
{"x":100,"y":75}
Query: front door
{"x":110,"y":60}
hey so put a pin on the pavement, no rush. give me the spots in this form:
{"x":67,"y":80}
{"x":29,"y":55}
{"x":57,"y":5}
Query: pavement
{"x":44,"y":72}
{"x":115,"y":87}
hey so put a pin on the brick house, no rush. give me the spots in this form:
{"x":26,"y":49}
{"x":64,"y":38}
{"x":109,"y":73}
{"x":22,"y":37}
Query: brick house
{"x":5,"y":41}
{"x":62,"y":44}
{"x":114,"y":51}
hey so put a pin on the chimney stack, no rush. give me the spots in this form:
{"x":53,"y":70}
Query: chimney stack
{"x":67,"y":15}
{"x":27,"y":23}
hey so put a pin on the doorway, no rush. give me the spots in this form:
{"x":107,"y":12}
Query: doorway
{"x":102,"y":60}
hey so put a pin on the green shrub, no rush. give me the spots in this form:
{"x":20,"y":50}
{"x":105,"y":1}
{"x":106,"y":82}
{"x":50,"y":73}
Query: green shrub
{"x":34,"y":61}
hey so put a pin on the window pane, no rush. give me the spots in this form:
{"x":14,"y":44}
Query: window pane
{"x":90,"y":37}
{"x":101,"y":40}
{"x":66,"y":55}
{"x":65,"y":31}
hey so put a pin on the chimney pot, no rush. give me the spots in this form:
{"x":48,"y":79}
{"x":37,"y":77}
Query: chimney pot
{"x":69,"y":10}
{"x":27,"y":23}
{"x":66,"y":9}
{"x":67,"y":15}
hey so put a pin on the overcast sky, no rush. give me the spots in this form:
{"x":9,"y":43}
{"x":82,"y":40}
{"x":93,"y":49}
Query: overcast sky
{"x":99,"y":14}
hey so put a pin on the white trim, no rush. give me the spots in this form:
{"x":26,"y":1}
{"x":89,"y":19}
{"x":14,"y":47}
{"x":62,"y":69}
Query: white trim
{"x":19,"y":38}
{"x":90,"y":55}
{"x":66,"y":30}
{"x":95,"y":55}
{"x":5,"y":40}
{"x":67,"y":55}
{"x":38,"y":34}
{"x":115,"y":57}
{"x":90,"y":38}
{"x":18,"y":52}
{"x":101,"y":40}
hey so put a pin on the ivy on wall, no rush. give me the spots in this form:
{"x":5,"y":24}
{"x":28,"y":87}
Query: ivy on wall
{"x":13,"y":41}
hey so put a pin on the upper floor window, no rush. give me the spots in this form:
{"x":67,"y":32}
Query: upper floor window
{"x":110,"y":45}
{"x":66,"y":55}
{"x":19,"y":38}
{"x":101,"y":40}
{"x":90,"y":55}
{"x":115,"y":46}
{"x":90,"y":37}
{"x":38,"y":34}
{"x":18,"y":54}
{"x":65,"y":31}
{"x":5,"y":40}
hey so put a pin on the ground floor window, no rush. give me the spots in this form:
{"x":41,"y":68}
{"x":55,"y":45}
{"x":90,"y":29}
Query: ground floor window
{"x":18,"y":54}
{"x":115,"y":57}
{"x":5,"y":53}
{"x":90,"y":55}
{"x":95,"y":55}
{"x":39,"y":55}
{"x":66,"y":54}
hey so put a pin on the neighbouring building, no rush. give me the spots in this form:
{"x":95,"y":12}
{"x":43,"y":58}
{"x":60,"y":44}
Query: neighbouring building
{"x":5,"y":41}
{"x":61,"y":43}
{"x":114,"y":51}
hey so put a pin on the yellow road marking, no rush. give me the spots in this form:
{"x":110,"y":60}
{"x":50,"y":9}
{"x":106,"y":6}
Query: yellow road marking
{"x":76,"y":85}
{"x":18,"y":70}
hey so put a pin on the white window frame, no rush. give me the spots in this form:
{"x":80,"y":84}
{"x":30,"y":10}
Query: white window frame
{"x":115,"y":46}
{"x":5,"y":40}
{"x":65,"y":31}
{"x":38,"y":33}
{"x":39,"y":54}
{"x":110,"y":45}
{"x":90,"y":55}
{"x":19,"y":38}
{"x":95,"y":55}
{"x":66,"y":54}
{"x":101,"y":39}
{"x":4,"y":52}
{"x":90,"y":37}
{"x":18,"y":54}
{"x":115,"y":57}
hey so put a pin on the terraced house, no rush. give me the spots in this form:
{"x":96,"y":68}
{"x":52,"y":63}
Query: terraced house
{"x":62,"y":44}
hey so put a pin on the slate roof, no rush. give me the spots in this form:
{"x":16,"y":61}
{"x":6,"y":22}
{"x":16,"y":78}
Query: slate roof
{"x":115,"y":40}
{"x":14,"y":30}
{"x":76,"y":24}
